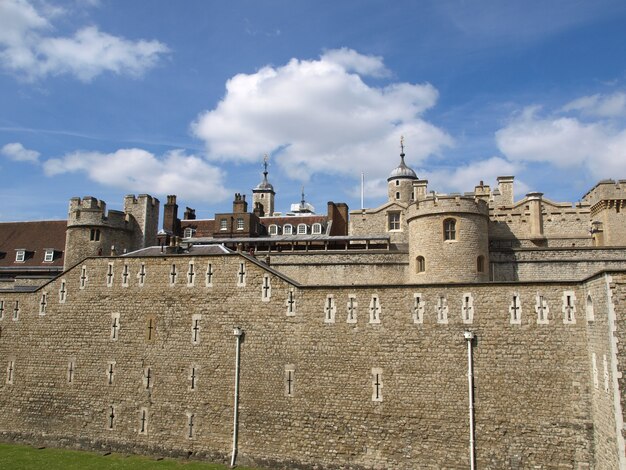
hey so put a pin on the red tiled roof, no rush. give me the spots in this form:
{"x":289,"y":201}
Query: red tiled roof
{"x":35,"y":238}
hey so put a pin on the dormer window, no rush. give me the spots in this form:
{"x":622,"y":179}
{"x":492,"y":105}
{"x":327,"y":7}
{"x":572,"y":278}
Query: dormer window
{"x":273,"y":229}
{"x":189,"y":232}
{"x":302,"y":229}
{"x":316,"y":229}
{"x":48,"y":256}
{"x":288,"y":229}
{"x":20,"y":256}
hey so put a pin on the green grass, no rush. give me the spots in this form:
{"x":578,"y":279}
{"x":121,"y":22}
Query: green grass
{"x":30,"y":458}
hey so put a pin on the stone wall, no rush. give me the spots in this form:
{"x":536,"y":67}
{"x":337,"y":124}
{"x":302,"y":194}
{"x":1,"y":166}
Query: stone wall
{"x":379,"y":381}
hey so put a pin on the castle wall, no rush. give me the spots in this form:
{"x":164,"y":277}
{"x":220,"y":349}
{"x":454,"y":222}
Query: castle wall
{"x":375,"y":223}
{"x":553,"y":264}
{"x":533,"y":380}
{"x":342,"y":269}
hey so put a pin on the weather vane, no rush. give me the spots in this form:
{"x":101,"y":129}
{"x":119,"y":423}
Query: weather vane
{"x":402,"y":144}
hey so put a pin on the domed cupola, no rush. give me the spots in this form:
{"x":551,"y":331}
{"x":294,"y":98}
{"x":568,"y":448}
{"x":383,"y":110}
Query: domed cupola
{"x":400,"y":181}
{"x":264,"y":192}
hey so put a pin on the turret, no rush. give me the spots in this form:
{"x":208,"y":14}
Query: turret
{"x":264,"y":193}
{"x":401,"y":180}
{"x":448,"y":239}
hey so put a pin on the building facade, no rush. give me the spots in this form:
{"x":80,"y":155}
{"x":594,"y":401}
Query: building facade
{"x":353,"y":350}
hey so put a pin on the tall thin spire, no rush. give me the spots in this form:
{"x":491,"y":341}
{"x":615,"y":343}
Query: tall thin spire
{"x":302,"y":201}
{"x":402,"y":150}
{"x":266,"y":160}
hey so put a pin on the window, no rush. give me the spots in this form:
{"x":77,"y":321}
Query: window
{"x":449,"y":229}
{"x":397,"y":194}
{"x":189,"y":232}
{"x":420,"y":264}
{"x":589,"y":309}
{"x":393,"y":219}
{"x":302,"y":229}
{"x":397,"y":182}
{"x":480,"y":264}
{"x":49,"y":255}
{"x":239,"y":223}
{"x":20,"y":256}
{"x":316,"y":229}
{"x":223,"y":225}
{"x":273,"y":229}
{"x":94,"y":235}
{"x":288,"y":229}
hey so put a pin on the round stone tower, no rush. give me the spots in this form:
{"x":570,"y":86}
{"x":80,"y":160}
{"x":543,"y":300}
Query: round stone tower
{"x":448,"y":239}
{"x":263,"y":195}
{"x":400,"y":181}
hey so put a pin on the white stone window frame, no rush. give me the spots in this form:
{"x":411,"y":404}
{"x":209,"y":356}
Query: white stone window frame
{"x":143,"y":421}
{"x":242,"y":273}
{"x":223,"y":225}
{"x":441,"y":310}
{"x":115,"y":326}
{"x":377,"y":384}
{"x":190,"y":433}
{"x":110,"y":373}
{"x":394,"y":221}
{"x":189,"y":232}
{"x":110,"y":274}
{"x":375,"y":303}
{"x":330,"y":309}
{"x":266,"y":288}
{"x":353,"y":305}
{"x":589,"y":310}
{"x":539,"y":300}
{"x":290,"y":303}
{"x":83,"y":277}
{"x":48,"y":256}
{"x":273,"y":229}
{"x":419,"y":306}
{"x":240,"y":224}
{"x":191,"y":274}
{"x":16,"y":311}
{"x":193,"y":377}
{"x":10,"y":375}
{"x":43,"y":303}
{"x":196,"y":328}
{"x":208,"y":275}
{"x":20,"y":256}
{"x":302,"y":229}
{"x":289,"y":380}
{"x":467,"y":308}
{"x":141,"y":275}
{"x":450,"y":235}
{"x":515,"y":309}
{"x":63,"y":291}
{"x":125,"y":275}
{"x":572,"y":295}
{"x":287,"y":229}
{"x":316,"y":228}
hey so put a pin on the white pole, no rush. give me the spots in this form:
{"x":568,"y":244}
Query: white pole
{"x":469,"y":336}
{"x":362,"y":189}
{"x":238,"y":332}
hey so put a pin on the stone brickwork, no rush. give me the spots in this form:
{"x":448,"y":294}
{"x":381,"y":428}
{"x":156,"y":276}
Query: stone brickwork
{"x":147,"y":364}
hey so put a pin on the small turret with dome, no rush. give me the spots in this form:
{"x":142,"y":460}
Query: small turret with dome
{"x":264,"y":192}
{"x":400,"y":181}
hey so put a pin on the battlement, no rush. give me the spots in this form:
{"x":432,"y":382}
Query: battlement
{"x":143,"y":200}
{"x":606,"y":190}
{"x":88,"y":203}
{"x":447,"y":203}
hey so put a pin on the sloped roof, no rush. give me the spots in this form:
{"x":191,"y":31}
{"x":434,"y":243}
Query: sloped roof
{"x":35,"y":238}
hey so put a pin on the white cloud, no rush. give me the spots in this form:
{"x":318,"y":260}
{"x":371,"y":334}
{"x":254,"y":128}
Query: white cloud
{"x":28,"y":48}
{"x":608,"y":106}
{"x":318,"y":116}
{"x":137,"y":170}
{"x":598,"y":147}
{"x":16,"y":152}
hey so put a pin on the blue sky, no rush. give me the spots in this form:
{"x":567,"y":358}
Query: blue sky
{"x":111,"y":97}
